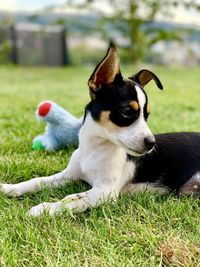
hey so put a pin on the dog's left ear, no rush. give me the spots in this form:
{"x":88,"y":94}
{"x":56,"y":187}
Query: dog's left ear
{"x":143,"y":77}
{"x":106,"y":72}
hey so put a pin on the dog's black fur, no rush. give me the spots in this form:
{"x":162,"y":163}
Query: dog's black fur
{"x":173,"y":162}
{"x":116,"y":98}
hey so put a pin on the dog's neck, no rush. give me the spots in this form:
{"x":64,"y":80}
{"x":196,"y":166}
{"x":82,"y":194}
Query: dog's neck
{"x":99,"y":153}
{"x":94,"y":137}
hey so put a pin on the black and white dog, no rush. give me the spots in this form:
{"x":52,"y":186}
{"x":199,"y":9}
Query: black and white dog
{"x":117,"y":151}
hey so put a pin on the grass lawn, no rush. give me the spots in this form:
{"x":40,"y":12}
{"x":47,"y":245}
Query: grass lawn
{"x":140,"y":230}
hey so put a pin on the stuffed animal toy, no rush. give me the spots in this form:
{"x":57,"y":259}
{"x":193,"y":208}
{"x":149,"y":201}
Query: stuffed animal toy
{"x":61,"y":130}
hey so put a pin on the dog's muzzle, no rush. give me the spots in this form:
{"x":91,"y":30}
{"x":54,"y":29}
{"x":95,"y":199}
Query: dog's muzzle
{"x":149,"y":142}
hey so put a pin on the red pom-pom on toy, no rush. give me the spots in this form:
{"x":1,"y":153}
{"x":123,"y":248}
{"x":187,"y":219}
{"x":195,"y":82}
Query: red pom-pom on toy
{"x":44,"y":109}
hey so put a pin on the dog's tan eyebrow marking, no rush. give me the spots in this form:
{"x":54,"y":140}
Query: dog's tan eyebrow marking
{"x":148,"y":109}
{"x":107,"y":123}
{"x":134,"y":105}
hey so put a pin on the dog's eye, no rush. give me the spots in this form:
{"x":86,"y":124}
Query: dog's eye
{"x":125,"y":116}
{"x":125,"y":112}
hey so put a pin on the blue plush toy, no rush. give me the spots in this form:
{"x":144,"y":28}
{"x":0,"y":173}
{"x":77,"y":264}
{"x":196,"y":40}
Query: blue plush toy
{"x":61,"y":130}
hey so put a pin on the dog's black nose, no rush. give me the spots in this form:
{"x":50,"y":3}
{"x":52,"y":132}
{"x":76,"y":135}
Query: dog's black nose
{"x":149,"y":142}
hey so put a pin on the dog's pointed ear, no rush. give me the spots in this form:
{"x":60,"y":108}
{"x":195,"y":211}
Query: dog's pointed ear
{"x":106,"y":72}
{"x":143,"y":77}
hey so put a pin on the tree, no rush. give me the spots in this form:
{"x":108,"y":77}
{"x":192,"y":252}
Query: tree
{"x":133,"y":20}
{"x":6,"y":43}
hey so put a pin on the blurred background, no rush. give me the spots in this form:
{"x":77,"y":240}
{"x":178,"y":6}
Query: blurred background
{"x":61,"y":32}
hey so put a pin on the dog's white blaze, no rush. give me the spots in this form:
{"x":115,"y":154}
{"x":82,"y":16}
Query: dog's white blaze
{"x":141,"y":97}
{"x":142,"y":127}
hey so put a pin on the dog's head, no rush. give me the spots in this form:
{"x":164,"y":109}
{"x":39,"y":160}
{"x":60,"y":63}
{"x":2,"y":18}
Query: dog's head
{"x":120,"y":106}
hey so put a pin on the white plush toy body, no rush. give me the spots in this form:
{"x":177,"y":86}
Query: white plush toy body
{"x":61,"y":130}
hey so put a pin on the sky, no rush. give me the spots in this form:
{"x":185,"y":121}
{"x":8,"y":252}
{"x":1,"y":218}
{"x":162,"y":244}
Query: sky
{"x":26,"y":5}
{"x":180,"y":16}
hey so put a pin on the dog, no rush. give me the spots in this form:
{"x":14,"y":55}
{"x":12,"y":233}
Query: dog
{"x":117,"y":151}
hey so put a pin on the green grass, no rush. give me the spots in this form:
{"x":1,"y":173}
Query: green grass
{"x":140,"y":230}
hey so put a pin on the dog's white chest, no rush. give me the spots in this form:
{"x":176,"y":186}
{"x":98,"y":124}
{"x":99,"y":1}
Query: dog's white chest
{"x":105,"y":165}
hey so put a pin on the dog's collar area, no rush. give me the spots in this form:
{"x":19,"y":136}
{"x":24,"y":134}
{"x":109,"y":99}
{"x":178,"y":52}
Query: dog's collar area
{"x":136,"y":152}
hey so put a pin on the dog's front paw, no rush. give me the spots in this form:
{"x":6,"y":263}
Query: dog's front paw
{"x":50,"y":208}
{"x":10,"y":190}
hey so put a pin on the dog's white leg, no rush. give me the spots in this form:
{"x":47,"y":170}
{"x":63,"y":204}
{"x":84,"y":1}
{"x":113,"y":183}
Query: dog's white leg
{"x":72,"y":172}
{"x":75,"y":202}
{"x":145,"y":187}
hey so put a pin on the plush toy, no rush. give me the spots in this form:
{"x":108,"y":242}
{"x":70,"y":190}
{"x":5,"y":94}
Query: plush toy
{"x":61,"y":130}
